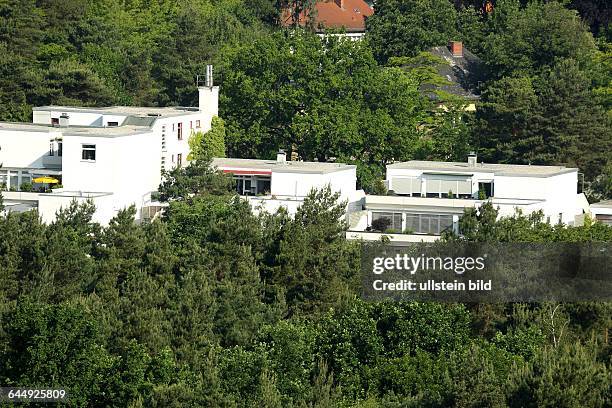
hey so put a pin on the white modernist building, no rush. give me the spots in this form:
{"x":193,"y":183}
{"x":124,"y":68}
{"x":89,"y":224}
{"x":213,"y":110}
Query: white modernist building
{"x":602,"y":211}
{"x":113,"y":156}
{"x":427,"y":197}
{"x":270,"y":184}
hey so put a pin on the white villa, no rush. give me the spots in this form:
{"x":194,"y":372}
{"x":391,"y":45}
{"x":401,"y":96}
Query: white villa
{"x":602,"y":211}
{"x":427,"y":197}
{"x":270,"y":184}
{"x":113,"y":156}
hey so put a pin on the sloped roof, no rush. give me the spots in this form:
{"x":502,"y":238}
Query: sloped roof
{"x":464,"y":73}
{"x":347,"y":14}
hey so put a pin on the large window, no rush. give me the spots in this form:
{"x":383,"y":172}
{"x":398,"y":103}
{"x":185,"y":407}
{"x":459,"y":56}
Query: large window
{"x":410,"y":186}
{"x":385,"y":221}
{"x":180,"y":131}
{"x":252,"y":185}
{"x":88,"y":152}
{"x":433,"y":224}
{"x":263,"y":185}
{"x":486,"y":188}
{"x":439,"y":185}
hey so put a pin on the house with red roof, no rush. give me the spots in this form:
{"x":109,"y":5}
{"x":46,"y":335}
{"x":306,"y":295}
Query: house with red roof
{"x":347,"y":15}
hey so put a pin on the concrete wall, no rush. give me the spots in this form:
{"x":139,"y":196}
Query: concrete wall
{"x":174,"y":146}
{"x":50,"y":204}
{"x":22,"y":149}
{"x":97,"y":119}
{"x":300,"y":184}
{"x":127,"y":166}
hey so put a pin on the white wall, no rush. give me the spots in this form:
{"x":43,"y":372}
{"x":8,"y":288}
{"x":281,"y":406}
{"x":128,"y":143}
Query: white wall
{"x":50,"y":204}
{"x":97,"y":119}
{"x":21,"y":149}
{"x":127,"y":166}
{"x":300,"y":184}
{"x":558,"y":192}
{"x":173,"y":145}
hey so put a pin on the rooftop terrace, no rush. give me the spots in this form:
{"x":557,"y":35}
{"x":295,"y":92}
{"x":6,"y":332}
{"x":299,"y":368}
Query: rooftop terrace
{"x":286,"y":167}
{"x":518,"y":170}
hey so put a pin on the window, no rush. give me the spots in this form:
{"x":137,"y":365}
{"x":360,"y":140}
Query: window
{"x":438,"y":185}
{"x":88,"y":152}
{"x":55,"y":121}
{"x":60,"y":148}
{"x":387,"y":221}
{"x":252,"y":185}
{"x":433,"y":224}
{"x":51,"y":149}
{"x":191,"y":124}
{"x":486,"y":188}
{"x":410,"y":186}
{"x":113,"y":124}
{"x":197,"y":123}
{"x":263,"y":185}
{"x":180,"y":131}
{"x":179,"y":159}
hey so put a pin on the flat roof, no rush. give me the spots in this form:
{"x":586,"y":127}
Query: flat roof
{"x":602,"y":204}
{"x":123,"y":110}
{"x":274,"y":166}
{"x":519,"y":170}
{"x":113,"y":131}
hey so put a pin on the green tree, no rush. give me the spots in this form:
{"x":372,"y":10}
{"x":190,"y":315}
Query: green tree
{"x":524,"y":40}
{"x":209,"y":144}
{"x":326,"y":99}
{"x":406,"y":27}
{"x":199,"y":177}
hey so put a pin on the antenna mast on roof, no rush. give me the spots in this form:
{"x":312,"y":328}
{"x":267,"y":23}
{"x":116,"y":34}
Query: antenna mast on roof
{"x":208,"y":78}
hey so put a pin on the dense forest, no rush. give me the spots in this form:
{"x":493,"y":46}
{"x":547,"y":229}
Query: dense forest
{"x":545,"y":96}
{"x":215,"y":306}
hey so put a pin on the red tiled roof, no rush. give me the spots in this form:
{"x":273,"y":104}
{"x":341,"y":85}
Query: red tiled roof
{"x":329,"y":14}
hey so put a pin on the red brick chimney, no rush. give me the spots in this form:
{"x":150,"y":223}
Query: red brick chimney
{"x":339,"y":3}
{"x":456,"y":48}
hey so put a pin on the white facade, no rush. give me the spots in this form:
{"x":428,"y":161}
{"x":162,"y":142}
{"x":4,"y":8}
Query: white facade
{"x":602,"y":212}
{"x":429,"y":197}
{"x":114,"y":156}
{"x":271,"y":184}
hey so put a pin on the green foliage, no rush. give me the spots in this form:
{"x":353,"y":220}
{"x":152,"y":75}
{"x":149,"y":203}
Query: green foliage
{"x":562,"y":377}
{"x":406,"y":27}
{"x":215,"y":306}
{"x":209,"y":144}
{"x":325,"y":98}
{"x":199,"y":177}
{"x":552,"y":119}
{"x":524,"y":40}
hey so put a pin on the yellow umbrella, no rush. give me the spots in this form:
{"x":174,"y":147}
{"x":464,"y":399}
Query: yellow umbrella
{"x":47,"y":180}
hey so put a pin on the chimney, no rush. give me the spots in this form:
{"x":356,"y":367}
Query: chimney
{"x":472,"y":159}
{"x":208,"y":95}
{"x":281,"y":157}
{"x":209,"y":76}
{"x":456,"y":48}
{"x":64,"y":120}
{"x":339,"y":3}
